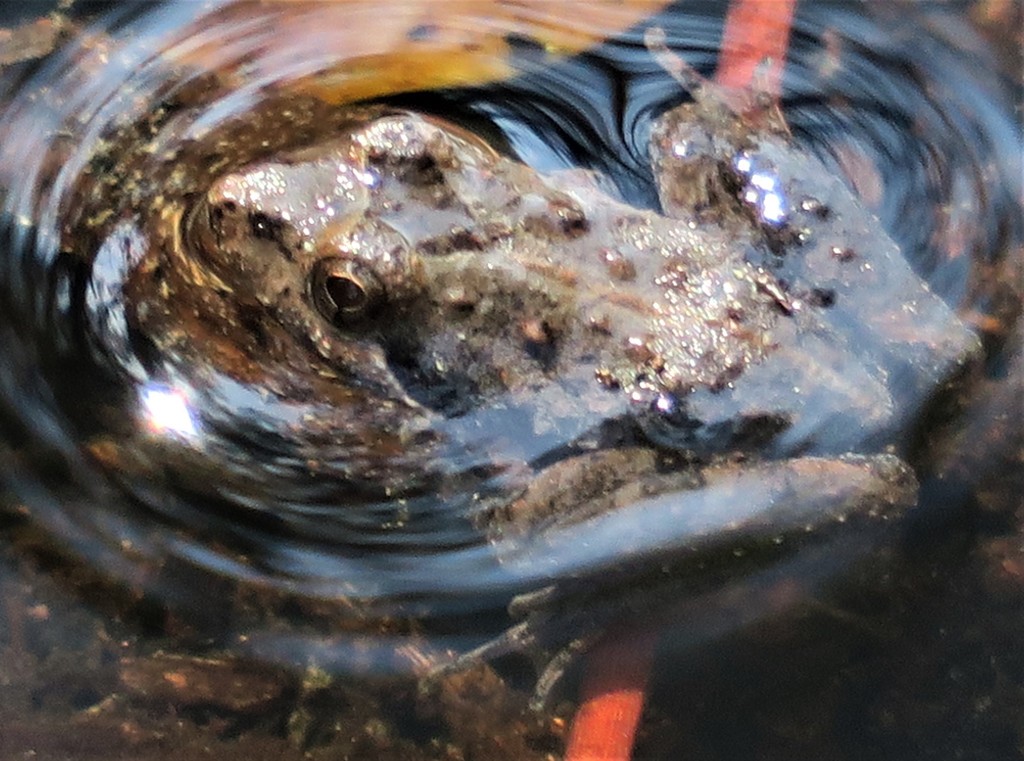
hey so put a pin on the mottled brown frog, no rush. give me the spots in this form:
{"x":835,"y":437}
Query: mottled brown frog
{"x":408,"y":254}
{"x":415,"y":263}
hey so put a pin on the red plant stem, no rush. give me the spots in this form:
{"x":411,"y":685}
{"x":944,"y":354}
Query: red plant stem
{"x":756,"y":33}
{"x":613,"y":692}
{"x":754,"y":44}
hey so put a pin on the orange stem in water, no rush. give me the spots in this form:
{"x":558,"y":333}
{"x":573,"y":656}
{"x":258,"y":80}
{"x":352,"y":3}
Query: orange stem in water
{"x":754,"y":44}
{"x":756,"y":32}
{"x":613,"y":691}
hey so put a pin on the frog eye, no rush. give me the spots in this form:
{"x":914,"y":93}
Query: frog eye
{"x":345,"y":290}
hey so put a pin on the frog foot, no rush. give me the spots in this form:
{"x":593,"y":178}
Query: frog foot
{"x":756,"y":105}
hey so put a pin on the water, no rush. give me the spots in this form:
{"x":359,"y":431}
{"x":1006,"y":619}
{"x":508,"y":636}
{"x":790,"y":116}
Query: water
{"x":183,"y":513}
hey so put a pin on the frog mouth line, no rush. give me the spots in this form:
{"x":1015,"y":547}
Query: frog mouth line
{"x":452,"y":395}
{"x":454,"y":388}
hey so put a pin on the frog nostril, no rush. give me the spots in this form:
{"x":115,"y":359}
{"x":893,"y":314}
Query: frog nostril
{"x":265,"y":227}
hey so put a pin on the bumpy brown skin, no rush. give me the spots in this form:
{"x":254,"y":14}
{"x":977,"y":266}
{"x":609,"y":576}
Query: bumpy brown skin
{"x":399,"y":272}
{"x":459,"y":258}
{"x":407,"y":254}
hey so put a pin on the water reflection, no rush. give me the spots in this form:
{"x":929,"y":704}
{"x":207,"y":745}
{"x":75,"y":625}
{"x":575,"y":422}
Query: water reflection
{"x":167,"y":410}
{"x":256,"y":492}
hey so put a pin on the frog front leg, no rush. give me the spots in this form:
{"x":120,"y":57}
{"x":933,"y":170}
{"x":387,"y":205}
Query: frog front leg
{"x":844,"y":277}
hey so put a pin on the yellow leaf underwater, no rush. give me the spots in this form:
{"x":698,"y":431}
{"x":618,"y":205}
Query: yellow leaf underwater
{"x":371,"y":49}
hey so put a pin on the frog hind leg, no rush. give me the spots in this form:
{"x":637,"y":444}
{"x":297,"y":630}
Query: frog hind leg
{"x":708,"y":556}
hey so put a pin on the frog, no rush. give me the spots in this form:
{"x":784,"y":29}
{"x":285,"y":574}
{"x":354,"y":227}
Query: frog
{"x":412,"y":252}
{"x":758,"y":336}
{"x":417,"y":264}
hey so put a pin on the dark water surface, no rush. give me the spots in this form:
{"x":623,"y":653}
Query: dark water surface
{"x":160,"y":519}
